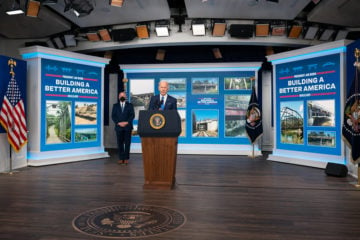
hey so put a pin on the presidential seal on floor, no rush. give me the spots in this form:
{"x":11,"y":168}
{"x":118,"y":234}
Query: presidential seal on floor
{"x":128,"y":221}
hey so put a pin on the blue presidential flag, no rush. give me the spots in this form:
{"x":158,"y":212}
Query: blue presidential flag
{"x":254,"y":128}
{"x":351,"y":123}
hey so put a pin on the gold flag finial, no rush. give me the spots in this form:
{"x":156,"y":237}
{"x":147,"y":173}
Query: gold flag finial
{"x":357,"y":54}
{"x":12,"y":64}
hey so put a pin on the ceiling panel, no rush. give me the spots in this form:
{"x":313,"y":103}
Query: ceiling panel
{"x":131,"y":12}
{"x":245,"y":9}
{"x":20,"y":26}
{"x":337,"y":12}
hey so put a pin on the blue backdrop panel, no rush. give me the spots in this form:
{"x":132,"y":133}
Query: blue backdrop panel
{"x":308,"y":105}
{"x":70,"y":105}
{"x":210,"y":99}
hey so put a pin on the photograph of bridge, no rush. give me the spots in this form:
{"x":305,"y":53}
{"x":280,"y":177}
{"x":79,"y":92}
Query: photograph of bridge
{"x":141,"y":91}
{"x":205,"y":122}
{"x":235,"y":115}
{"x":205,"y":85}
{"x":85,"y":134}
{"x":292,"y":122}
{"x":85,"y":113}
{"x":321,"y":113}
{"x":239,"y":83}
{"x":322,"y":138}
{"x":175,"y":84}
{"x":58,"y":122}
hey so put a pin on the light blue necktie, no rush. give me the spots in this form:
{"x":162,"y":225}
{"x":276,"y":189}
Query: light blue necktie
{"x":163,"y":103}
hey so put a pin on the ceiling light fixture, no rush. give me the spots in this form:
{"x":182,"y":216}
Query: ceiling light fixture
{"x":295,"y":31}
{"x":198,"y":27}
{"x":33,"y":8}
{"x":311,"y":32}
{"x":341,"y":34}
{"x":93,"y":36}
{"x":59,"y":43}
{"x":15,"y":8}
{"x":142,"y":31}
{"x":162,"y":28}
{"x":327,"y":35}
{"x":262,"y":29}
{"x":278,"y":28}
{"x":117,"y":3}
{"x":105,"y":35}
{"x":70,"y":40}
{"x":218,"y":28}
{"x":241,"y":30}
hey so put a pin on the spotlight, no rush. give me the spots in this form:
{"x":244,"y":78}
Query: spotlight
{"x":59,"y":43}
{"x":117,"y":3}
{"x":241,"y":30}
{"x":262,"y":29}
{"x":160,"y":54}
{"x":50,"y":43}
{"x":217,"y":53}
{"x":218,"y":28}
{"x":93,"y":36}
{"x":327,"y":35}
{"x":341,"y":34}
{"x":33,"y":8}
{"x":81,"y":8}
{"x":70,"y":40}
{"x":162,"y":28}
{"x":278,"y":28}
{"x":295,"y":31}
{"x":105,"y":35}
{"x":198,"y":27}
{"x":142,"y":31}
{"x":15,"y":8}
{"x":311,"y":32}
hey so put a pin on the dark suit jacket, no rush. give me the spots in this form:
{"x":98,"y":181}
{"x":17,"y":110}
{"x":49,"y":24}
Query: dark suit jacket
{"x":170,"y":104}
{"x":126,"y":116}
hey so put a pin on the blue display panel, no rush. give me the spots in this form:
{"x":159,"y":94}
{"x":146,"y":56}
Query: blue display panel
{"x":308,"y":105}
{"x":212,"y":105}
{"x":70,"y":105}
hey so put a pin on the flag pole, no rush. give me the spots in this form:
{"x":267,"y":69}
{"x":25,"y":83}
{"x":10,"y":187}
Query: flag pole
{"x":10,"y":172}
{"x":358,"y":179}
{"x":253,"y":154}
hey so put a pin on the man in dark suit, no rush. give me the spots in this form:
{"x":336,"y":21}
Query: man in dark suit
{"x":123,"y":115}
{"x":163,"y":101}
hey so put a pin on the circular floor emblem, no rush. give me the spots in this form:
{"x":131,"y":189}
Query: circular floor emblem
{"x":128,"y":221}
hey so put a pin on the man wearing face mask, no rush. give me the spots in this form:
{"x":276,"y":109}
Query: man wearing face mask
{"x":123,"y":115}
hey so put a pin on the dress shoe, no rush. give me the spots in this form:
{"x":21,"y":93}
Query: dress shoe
{"x":121,"y":162}
{"x":126,"y":162}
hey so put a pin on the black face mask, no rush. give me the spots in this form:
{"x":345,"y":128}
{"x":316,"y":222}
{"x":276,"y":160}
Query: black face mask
{"x":122,"y":99}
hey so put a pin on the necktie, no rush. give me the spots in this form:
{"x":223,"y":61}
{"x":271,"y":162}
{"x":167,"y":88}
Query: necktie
{"x":162,"y":103}
{"x":122,"y":107}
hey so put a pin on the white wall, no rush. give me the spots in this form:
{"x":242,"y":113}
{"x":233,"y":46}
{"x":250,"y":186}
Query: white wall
{"x":267,"y":140}
{"x":109,"y":132}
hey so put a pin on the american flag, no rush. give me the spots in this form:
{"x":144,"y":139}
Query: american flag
{"x":12,"y":115}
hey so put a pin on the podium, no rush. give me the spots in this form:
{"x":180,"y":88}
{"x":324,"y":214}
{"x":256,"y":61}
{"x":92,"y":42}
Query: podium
{"x":159,"y":131}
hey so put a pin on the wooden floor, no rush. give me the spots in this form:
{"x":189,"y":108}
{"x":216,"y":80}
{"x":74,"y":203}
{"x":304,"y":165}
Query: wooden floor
{"x":222,"y":197}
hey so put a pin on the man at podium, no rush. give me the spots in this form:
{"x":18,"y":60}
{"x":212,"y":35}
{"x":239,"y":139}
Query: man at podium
{"x":163,"y":101}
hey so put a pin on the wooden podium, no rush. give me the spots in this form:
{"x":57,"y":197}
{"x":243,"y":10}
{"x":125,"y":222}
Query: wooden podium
{"x":159,"y":131}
